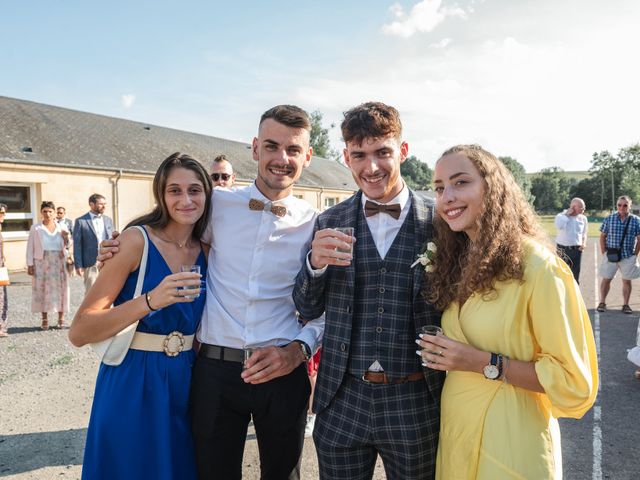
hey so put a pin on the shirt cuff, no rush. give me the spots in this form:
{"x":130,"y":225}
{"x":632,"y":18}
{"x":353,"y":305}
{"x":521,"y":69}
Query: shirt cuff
{"x":314,"y":272}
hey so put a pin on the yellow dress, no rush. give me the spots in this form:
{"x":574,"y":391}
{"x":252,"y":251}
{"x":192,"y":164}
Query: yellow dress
{"x":492,"y":430}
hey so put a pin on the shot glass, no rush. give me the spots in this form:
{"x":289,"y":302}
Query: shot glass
{"x":247,"y":354}
{"x":346,"y":231}
{"x":190,"y":268}
{"x":431,"y":330}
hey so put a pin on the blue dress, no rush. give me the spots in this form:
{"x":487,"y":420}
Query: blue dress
{"x":140,"y":425}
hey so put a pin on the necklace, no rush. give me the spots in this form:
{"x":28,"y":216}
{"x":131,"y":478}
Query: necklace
{"x":177,"y":244}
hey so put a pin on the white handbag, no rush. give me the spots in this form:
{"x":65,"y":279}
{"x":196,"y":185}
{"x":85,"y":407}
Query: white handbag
{"x":633,"y":355}
{"x":113,"y":350}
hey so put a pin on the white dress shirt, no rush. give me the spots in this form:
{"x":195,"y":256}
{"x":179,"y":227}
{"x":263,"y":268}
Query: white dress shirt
{"x":572,"y":230}
{"x":98,"y":226}
{"x":384,"y":228}
{"x":252,"y":265}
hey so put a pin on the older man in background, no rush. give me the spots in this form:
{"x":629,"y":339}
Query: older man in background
{"x":571,"y":240}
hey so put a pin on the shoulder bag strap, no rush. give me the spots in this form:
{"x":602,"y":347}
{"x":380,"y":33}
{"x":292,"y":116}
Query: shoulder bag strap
{"x":143,"y":262}
{"x":625,"y":231}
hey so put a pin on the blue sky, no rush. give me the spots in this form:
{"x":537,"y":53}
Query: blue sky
{"x":546,"y":82}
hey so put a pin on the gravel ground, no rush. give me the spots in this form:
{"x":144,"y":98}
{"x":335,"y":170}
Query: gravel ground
{"x":46,"y":389}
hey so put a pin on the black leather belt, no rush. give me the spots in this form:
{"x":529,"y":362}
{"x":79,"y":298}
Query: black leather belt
{"x":570,"y":247}
{"x":381,"y":378}
{"x":226,"y":354}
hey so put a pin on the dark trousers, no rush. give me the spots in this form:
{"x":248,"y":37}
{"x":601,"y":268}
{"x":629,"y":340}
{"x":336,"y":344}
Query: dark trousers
{"x":572,"y":255}
{"x":222,"y":406}
{"x":401,"y":423}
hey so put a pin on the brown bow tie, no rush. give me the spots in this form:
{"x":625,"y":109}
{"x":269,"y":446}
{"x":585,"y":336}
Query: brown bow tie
{"x":372,"y":208}
{"x":277,"y":210}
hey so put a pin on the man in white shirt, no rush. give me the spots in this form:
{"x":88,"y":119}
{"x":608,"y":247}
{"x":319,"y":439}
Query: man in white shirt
{"x":571,"y":240}
{"x":372,"y":396}
{"x":259,"y":237}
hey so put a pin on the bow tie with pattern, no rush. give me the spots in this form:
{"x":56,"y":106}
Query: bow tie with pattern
{"x":277,"y":210}
{"x":372,"y":208}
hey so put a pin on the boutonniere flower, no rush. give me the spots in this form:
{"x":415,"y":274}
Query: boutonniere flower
{"x":426,"y":257}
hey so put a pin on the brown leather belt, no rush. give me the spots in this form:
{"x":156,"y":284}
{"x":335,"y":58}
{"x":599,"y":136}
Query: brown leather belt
{"x":381,"y":378}
{"x":226,"y":354}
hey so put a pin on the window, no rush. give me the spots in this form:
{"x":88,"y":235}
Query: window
{"x":20,"y":201}
{"x":330,"y":202}
{"x":298,"y":196}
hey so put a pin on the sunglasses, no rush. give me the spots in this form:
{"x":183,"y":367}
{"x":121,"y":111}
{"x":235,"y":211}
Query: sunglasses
{"x":216,"y":176}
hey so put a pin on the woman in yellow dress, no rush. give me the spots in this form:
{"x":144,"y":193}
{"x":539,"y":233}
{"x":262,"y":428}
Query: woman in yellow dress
{"x":517,"y":345}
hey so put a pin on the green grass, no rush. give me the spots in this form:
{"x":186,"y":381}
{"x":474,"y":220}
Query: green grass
{"x":63,"y":360}
{"x":550,"y":227}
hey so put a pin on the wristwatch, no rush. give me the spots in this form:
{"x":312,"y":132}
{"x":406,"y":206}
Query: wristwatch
{"x":305,"y":349}
{"x":494,"y":369}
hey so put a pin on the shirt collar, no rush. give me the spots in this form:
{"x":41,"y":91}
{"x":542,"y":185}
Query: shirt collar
{"x":402,"y":198}
{"x":95,"y":215}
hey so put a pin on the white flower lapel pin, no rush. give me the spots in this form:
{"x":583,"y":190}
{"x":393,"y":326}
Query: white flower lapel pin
{"x":426,"y":257}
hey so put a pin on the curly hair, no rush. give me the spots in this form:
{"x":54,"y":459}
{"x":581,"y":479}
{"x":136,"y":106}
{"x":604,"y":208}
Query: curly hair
{"x":463,"y":267}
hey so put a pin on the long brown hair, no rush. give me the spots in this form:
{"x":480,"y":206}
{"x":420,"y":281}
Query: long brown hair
{"x":506,"y":219}
{"x":159,"y":217}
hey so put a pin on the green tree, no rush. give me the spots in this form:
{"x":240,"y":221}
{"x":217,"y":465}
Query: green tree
{"x":319,"y":138}
{"x":520,"y":176}
{"x":591,"y":190}
{"x":551,"y":189}
{"x":416,"y":174}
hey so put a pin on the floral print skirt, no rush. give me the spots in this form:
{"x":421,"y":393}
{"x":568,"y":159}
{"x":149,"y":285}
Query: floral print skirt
{"x":50,"y":285}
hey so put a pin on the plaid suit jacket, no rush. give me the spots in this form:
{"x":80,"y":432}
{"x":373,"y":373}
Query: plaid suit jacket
{"x":333,"y":294}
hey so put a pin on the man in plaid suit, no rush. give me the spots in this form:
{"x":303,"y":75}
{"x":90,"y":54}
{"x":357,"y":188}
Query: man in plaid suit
{"x":372,"y":394}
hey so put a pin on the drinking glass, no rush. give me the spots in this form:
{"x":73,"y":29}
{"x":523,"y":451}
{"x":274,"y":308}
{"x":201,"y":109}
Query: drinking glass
{"x":190,"y":268}
{"x":346,"y":231}
{"x":431,"y":330}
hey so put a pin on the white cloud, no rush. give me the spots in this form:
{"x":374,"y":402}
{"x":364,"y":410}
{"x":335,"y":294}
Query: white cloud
{"x":543,"y":103}
{"x":128,"y":100}
{"x":424,"y":17}
{"x":441,"y":44}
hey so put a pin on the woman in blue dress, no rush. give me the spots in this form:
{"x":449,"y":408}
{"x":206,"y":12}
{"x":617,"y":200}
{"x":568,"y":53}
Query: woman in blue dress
{"x":139,"y":426}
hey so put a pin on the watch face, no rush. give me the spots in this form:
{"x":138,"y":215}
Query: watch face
{"x":491,"y":372}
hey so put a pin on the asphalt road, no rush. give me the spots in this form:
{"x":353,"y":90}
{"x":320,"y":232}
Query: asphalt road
{"x":46,"y":387}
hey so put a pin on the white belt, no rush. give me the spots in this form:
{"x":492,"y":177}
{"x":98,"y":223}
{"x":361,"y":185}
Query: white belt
{"x":171,"y":344}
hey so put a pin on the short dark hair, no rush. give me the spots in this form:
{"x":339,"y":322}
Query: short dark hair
{"x":288,"y":115}
{"x":371,"y":120}
{"x":61,"y":208}
{"x":95,"y":197}
{"x":47,"y":204}
{"x":220,"y":159}
{"x":3,"y":207}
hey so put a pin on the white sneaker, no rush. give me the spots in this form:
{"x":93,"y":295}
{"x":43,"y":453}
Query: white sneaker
{"x":308,"y":429}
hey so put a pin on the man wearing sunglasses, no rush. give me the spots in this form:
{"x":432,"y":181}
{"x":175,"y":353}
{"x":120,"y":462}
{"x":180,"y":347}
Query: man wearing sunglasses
{"x":222,"y":172}
{"x":619,"y":246}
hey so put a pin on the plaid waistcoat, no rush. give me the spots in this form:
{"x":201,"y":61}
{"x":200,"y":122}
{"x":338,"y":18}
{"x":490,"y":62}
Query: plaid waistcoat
{"x":335,"y":293}
{"x":383,"y":327}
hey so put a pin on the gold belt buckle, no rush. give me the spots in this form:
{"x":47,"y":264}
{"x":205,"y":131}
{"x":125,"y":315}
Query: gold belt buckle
{"x":173,"y":344}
